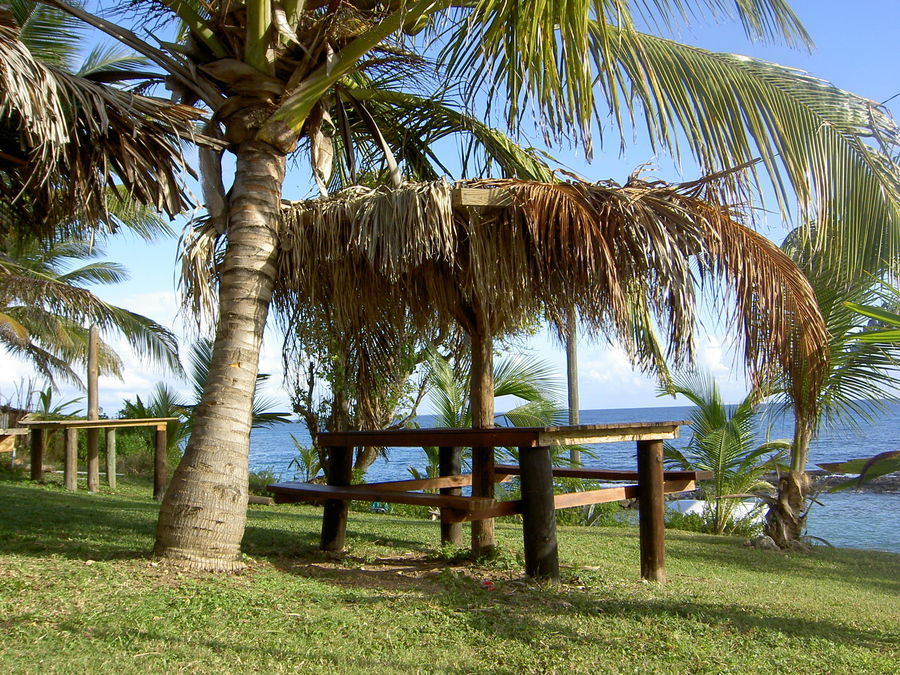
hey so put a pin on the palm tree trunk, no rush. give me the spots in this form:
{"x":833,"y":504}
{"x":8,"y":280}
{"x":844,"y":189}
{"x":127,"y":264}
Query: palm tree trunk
{"x":786,"y":519}
{"x":202,"y":518}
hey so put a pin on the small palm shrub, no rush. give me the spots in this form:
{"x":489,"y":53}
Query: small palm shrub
{"x":260,"y":479}
{"x":306,"y":463}
{"x":723,"y":440}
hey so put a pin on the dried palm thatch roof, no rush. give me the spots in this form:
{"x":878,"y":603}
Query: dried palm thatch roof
{"x":63,"y":139}
{"x":491,"y":255}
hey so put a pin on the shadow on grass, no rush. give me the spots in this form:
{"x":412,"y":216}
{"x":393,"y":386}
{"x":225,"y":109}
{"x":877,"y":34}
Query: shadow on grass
{"x":75,"y":525}
{"x":267,"y":535}
{"x":523,"y":611}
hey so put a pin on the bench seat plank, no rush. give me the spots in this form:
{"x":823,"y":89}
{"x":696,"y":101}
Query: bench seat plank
{"x":567,"y":500}
{"x":313,"y":492}
{"x":606,"y":474}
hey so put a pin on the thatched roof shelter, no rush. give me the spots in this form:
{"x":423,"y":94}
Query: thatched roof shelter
{"x":492,"y":255}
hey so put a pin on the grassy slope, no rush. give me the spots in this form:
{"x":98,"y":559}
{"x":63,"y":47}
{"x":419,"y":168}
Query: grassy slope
{"x":77,"y":594}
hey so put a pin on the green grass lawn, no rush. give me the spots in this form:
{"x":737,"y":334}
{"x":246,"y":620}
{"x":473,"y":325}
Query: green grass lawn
{"x":78,"y":593}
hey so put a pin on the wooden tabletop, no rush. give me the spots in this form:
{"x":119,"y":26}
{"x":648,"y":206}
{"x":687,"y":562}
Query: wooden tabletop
{"x":98,"y":424}
{"x":520,"y":437}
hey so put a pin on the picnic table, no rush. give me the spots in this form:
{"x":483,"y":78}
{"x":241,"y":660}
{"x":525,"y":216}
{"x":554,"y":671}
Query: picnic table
{"x":537,"y":506}
{"x":71,"y":428}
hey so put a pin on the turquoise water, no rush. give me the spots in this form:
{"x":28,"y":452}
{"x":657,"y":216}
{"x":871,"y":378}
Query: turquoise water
{"x":848,"y":519}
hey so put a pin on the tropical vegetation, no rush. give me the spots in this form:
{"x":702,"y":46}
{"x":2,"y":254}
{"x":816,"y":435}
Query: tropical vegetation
{"x":277,"y":78}
{"x":724,"y":441}
{"x":861,"y":374}
{"x":46,"y":307}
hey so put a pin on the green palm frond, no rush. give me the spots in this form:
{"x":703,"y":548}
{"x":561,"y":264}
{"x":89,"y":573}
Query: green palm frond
{"x":536,"y":413}
{"x":534,"y":54}
{"x":109,"y":62}
{"x":51,"y":36}
{"x":53,"y":308}
{"x":528,"y":378}
{"x":415,"y":123}
{"x":821,"y":142}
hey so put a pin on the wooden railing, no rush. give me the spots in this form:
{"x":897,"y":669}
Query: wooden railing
{"x":70,"y":470}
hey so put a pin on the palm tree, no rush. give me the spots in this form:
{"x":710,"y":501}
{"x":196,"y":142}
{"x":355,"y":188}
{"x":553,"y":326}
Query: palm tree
{"x":275,"y":75}
{"x":861,"y":372}
{"x":263,"y":417}
{"x":723,"y":440}
{"x":45,"y":306}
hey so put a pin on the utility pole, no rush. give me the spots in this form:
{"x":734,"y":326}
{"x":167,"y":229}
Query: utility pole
{"x":572,"y":378}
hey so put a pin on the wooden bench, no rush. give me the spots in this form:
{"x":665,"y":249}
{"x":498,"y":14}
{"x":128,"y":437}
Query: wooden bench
{"x":453,"y":508}
{"x":459,"y":509}
{"x":538,"y":503}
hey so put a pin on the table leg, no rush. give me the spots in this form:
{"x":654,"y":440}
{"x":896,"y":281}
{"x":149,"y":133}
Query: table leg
{"x":334,"y":517}
{"x":651,"y":510}
{"x":70,"y":470}
{"x":93,"y":460}
{"x":160,"y":470}
{"x":538,"y":514}
{"x":450,"y":464}
{"x":37,"y":454}
{"x":484,"y":542}
{"x":111,"y":458}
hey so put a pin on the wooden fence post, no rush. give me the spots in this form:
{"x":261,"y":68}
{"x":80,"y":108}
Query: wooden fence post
{"x":334,"y":517}
{"x":538,"y":514}
{"x":651,"y":510}
{"x":450,"y":464}
{"x":37,"y":454}
{"x":93,"y":411}
{"x":111,"y":458}
{"x":70,"y":473}
{"x":159,"y":463}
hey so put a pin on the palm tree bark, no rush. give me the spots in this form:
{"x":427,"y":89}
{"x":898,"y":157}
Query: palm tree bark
{"x":786,"y":519}
{"x":202,"y":517}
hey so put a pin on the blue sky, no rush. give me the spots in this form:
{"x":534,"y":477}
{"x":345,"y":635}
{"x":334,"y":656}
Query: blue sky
{"x":856,"y":49}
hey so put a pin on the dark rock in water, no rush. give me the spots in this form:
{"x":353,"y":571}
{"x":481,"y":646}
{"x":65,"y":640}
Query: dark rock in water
{"x":889,"y":484}
{"x":822,"y":481}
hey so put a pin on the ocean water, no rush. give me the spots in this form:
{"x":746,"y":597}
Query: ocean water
{"x":846,"y":519}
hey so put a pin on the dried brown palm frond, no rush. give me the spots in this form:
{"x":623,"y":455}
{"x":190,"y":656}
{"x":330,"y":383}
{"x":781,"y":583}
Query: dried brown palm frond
{"x":65,"y":139}
{"x":603,"y":249}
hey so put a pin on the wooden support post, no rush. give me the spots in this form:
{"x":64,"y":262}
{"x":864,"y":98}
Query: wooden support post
{"x":37,"y":454}
{"x":651,"y":510}
{"x":93,"y":460}
{"x":482,"y":406}
{"x":70,"y":470}
{"x":538,"y":514}
{"x":334,"y":517}
{"x":159,"y":463}
{"x":572,"y":379}
{"x":93,"y":411}
{"x":450,"y":464}
{"x":111,"y":458}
